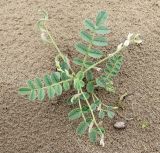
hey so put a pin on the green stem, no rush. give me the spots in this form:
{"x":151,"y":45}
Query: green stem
{"x":80,"y":106}
{"x":56,"y":47}
{"x":94,"y":119}
{"x":104,"y":59}
{"x":103,"y":103}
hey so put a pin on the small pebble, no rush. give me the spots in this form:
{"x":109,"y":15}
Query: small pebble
{"x":120,"y":125}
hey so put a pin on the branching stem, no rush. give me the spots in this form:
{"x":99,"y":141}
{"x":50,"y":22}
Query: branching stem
{"x":94,"y":119}
{"x":104,"y":59}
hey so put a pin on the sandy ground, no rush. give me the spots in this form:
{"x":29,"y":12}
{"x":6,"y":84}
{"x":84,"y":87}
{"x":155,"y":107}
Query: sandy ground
{"x":27,"y":127}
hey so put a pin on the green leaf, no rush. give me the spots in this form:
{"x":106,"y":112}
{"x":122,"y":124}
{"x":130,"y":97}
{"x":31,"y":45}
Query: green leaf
{"x":80,"y":75}
{"x":50,"y":92}
{"x":30,"y":84}
{"x":110,"y":114}
{"x":78,"y":61}
{"x":74,"y":114}
{"x":47,"y":80}
{"x":66,"y":86}
{"x":105,"y":82}
{"x":78,"y":84}
{"x":74,"y":101}
{"x":113,"y":65}
{"x":95,"y":53}
{"x":41,"y":94}
{"x":38,"y":82}
{"x":85,"y":36}
{"x":82,"y":127}
{"x":32,"y":95}
{"x":101,"y":114}
{"x":90,"y":87}
{"x":58,"y":89}
{"x":55,"y":77}
{"x":81,"y":48}
{"x":64,"y":66}
{"x":64,"y":76}
{"x":88,"y":64}
{"x":100,"y":41}
{"x":84,"y":96}
{"x":100,"y":131}
{"x":24,"y":91}
{"x":93,"y":135}
{"x":95,"y":104}
{"x":85,"y":109}
{"x":101,"y":81}
{"x":109,"y":86}
{"x":101,"y":18}
{"x":89,"y":76}
{"x":89,"y":25}
{"x":102,"y":30}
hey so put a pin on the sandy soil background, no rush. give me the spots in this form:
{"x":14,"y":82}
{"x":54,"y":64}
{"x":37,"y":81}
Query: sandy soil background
{"x":27,"y":127}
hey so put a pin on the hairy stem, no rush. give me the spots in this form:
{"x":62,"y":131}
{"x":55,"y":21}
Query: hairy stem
{"x":104,"y":59}
{"x":80,"y":106}
{"x":94,"y":119}
{"x":56,"y":47}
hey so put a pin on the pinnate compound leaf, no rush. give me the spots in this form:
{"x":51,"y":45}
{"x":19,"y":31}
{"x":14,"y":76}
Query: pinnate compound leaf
{"x":100,"y":41}
{"x":89,"y":25}
{"x":50,"y":92}
{"x":113,"y":65}
{"x":93,"y":135}
{"x":24,"y":91}
{"x":101,"y":81}
{"x":74,"y":114}
{"x":41,"y":94}
{"x":105,"y":82}
{"x":81,"y":48}
{"x":101,"y":18}
{"x":90,"y":87}
{"x":85,"y":36}
{"x":82,"y":127}
{"x":78,"y":61}
{"x":95,"y":53}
